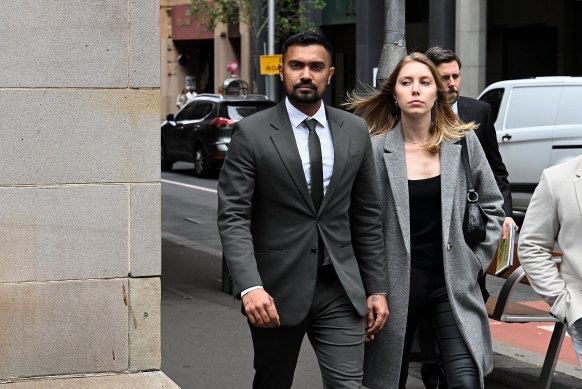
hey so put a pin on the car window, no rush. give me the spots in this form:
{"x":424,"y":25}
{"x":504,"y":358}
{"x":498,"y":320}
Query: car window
{"x":203,"y":108}
{"x":195,"y":111}
{"x":494,"y":97}
{"x":186,"y":113}
{"x":236,"y":111}
{"x":570,"y":108}
{"x":533,"y":106}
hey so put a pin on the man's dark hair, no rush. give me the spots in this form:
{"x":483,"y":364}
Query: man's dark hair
{"x":307,"y":38}
{"x":438,"y":56}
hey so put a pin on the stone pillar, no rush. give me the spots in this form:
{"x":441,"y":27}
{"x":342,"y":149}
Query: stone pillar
{"x":80,"y":253}
{"x":441,"y":32}
{"x":470,"y":43}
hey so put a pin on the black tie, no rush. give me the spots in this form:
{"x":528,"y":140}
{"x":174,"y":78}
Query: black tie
{"x":315,"y":164}
{"x":316,"y":169}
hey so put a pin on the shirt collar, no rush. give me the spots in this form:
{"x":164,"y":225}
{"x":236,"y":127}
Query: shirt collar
{"x":455,"y":107}
{"x":296,"y":117}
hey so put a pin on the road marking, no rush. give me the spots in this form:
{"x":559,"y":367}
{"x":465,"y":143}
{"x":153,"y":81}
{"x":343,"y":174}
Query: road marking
{"x":190,"y":186}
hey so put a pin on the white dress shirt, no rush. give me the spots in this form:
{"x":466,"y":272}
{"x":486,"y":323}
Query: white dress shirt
{"x":296,"y":117}
{"x":301,"y":132}
{"x":455,"y":107}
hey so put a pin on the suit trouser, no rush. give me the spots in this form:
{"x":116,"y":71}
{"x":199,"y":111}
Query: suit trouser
{"x":336,"y":332}
{"x":428,"y":295}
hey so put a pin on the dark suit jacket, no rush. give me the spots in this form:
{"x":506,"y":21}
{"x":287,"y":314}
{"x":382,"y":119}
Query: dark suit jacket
{"x":268,"y":224}
{"x":471,"y":110}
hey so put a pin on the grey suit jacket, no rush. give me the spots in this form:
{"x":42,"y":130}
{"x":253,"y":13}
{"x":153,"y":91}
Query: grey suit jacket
{"x":462,"y":263}
{"x":555,"y":213}
{"x":267,"y":222}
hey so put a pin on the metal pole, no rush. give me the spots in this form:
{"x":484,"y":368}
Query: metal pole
{"x":394,"y":48}
{"x":271,"y":47}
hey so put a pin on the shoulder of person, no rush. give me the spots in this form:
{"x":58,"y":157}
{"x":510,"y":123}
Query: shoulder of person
{"x":473,"y":103}
{"x":259,"y":119}
{"x":567,"y":167}
{"x":340,"y":114}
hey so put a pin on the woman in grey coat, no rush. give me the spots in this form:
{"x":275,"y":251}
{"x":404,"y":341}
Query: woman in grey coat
{"x":432,"y":271}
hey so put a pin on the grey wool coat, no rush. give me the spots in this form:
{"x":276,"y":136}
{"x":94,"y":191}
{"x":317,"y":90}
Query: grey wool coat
{"x":462,"y":263}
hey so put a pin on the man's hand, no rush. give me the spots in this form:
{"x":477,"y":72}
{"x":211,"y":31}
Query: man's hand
{"x":506,"y":223}
{"x":260,"y":309}
{"x":377,"y":315}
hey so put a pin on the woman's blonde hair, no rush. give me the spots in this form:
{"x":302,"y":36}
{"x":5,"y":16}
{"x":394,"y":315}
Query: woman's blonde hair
{"x":379,"y":108}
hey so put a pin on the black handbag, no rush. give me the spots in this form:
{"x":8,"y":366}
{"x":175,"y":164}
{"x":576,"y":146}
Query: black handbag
{"x":475,"y":219}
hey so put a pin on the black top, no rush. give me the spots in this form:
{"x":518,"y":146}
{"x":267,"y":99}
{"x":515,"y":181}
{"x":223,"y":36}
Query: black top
{"x":425,"y":222}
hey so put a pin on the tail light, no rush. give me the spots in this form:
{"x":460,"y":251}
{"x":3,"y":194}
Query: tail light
{"x":221,"y":122}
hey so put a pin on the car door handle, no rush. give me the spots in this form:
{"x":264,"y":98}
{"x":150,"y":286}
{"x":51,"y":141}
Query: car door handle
{"x":506,"y":137}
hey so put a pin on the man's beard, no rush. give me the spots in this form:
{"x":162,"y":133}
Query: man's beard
{"x":304,"y":98}
{"x":453,"y":96}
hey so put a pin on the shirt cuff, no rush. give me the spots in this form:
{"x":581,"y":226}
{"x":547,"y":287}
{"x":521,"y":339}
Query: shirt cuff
{"x":249,"y":290}
{"x":379,"y":293}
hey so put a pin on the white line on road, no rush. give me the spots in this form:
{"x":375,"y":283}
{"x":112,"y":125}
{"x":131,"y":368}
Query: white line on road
{"x":190,"y":186}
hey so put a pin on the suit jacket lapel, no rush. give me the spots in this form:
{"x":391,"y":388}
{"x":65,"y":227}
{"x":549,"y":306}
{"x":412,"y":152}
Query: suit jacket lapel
{"x":395,"y":163}
{"x":578,"y":186}
{"x":286,"y":145}
{"x":450,"y":160}
{"x":341,"y":147}
{"x":462,"y":109}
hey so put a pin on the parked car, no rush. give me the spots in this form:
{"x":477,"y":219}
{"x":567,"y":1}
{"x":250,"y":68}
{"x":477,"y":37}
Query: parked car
{"x":539,"y":124}
{"x":200,"y":132}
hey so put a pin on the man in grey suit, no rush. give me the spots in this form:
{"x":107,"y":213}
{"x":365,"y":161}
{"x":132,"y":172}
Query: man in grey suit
{"x":300,"y":226}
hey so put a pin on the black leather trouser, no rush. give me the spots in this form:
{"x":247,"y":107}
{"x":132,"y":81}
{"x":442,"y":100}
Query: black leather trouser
{"x":428,"y":296}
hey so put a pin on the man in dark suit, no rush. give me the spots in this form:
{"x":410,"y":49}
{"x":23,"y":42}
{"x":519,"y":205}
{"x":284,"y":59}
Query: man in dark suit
{"x":300,"y":226}
{"x":470,"y":110}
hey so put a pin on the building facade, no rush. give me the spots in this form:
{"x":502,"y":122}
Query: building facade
{"x":80,"y":218}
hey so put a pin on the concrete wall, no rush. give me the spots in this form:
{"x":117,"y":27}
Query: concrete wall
{"x":80,"y":193}
{"x":471,"y":44}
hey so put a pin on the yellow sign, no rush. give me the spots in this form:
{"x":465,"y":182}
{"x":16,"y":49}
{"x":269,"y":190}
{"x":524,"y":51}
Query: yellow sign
{"x":270,"y":64}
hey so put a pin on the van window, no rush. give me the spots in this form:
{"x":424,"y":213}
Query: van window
{"x":533,"y":106}
{"x":494,"y":97}
{"x":570,"y":108}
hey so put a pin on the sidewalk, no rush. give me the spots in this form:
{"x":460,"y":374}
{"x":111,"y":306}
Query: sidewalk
{"x":206,"y":342}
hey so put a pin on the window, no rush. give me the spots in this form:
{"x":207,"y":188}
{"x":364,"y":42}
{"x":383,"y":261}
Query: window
{"x":237,"y":111}
{"x":570,"y":108}
{"x":533,"y":106}
{"x":493,"y":97}
{"x":195,"y":111}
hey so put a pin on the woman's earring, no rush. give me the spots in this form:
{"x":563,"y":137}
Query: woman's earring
{"x":396,"y":103}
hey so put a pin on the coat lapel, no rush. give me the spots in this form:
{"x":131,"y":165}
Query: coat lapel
{"x":341,"y":147}
{"x":462,"y":108}
{"x":450,"y":160}
{"x":395,"y":163}
{"x":286,"y":145}
{"x":578,"y":186}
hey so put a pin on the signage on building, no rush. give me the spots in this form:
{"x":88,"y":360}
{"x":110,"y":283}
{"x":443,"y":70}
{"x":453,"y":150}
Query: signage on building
{"x":270,"y":64}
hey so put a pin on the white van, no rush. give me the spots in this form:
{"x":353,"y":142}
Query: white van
{"x":539,"y":124}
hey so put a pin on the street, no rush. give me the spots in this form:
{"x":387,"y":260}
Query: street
{"x":205,"y":340}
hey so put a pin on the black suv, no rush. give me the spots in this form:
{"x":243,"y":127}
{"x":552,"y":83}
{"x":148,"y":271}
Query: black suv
{"x":200,"y":132}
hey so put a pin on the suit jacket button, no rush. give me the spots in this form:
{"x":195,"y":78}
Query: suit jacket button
{"x":313,"y":250}
{"x":449,"y":246}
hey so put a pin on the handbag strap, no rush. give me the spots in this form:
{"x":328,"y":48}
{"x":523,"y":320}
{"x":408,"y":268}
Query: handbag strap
{"x":468,"y":172}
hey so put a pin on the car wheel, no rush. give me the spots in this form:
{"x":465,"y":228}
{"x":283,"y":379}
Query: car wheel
{"x":201,"y":167}
{"x":166,"y":163}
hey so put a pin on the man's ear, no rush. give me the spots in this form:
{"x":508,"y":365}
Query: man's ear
{"x":281,"y":71}
{"x":331,"y":72}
